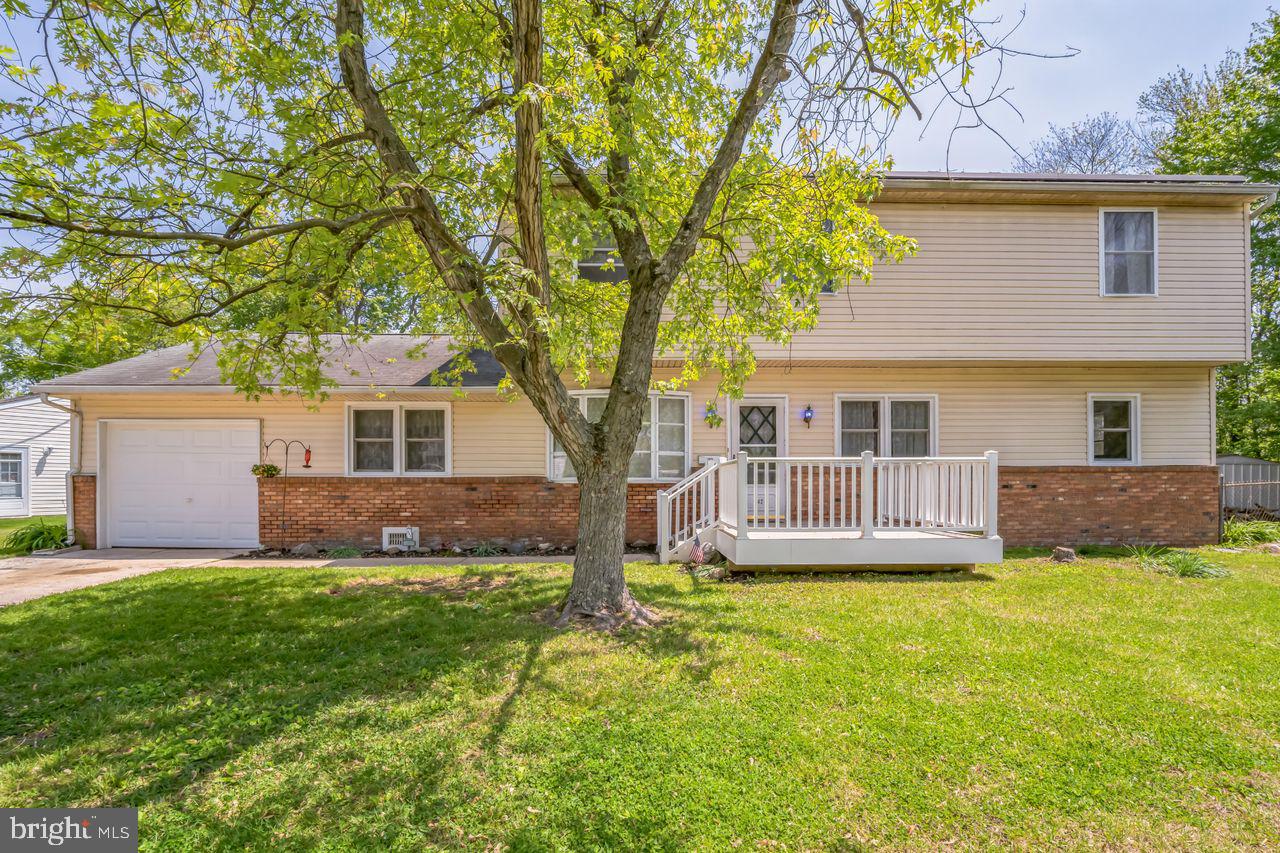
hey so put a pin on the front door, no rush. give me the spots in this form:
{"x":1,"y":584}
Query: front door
{"x":760,"y":437}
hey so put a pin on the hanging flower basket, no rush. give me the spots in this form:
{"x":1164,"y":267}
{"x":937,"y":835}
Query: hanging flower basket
{"x":265,"y":469}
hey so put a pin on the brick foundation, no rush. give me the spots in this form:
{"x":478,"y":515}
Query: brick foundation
{"x":1068,"y":505}
{"x":462,"y":511}
{"x":84,"y":503}
{"x":1074,"y":505}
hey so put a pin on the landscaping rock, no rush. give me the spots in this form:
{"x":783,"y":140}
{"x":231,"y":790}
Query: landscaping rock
{"x":1272,"y":547}
{"x":719,"y":573}
{"x":517,"y":547}
{"x":1064,"y":555}
{"x":544,"y":546}
{"x":394,"y":550}
{"x":304,"y":549}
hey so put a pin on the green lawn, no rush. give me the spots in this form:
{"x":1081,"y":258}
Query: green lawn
{"x":1029,"y":704}
{"x":8,"y":525}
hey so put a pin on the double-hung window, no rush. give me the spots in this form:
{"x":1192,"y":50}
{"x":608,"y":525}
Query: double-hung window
{"x":1128,"y":252}
{"x":603,"y":263}
{"x":1114,"y":423}
{"x":887,"y":426}
{"x":662,"y":448}
{"x":388,"y":439}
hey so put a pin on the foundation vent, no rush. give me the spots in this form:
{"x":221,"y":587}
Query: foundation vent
{"x":400,"y":537}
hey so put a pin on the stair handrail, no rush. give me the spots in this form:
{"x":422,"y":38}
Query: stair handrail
{"x":687,"y":508}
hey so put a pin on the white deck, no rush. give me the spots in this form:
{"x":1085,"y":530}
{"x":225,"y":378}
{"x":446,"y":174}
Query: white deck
{"x":834,"y":548}
{"x":836,"y":512}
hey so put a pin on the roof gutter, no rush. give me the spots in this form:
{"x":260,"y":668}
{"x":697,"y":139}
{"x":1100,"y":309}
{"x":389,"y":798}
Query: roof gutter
{"x":1266,"y":205}
{"x":1156,"y":188}
{"x":64,"y":390}
{"x":77,"y":420}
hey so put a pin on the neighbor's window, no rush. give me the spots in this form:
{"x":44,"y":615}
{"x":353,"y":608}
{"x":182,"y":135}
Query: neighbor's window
{"x":603,"y":263}
{"x":660,"y":454}
{"x":410,"y":439}
{"x":1113,"y":429}
{"x":11,"y":475}
{"x":907,"y":431}
{"x":1128,"y":252}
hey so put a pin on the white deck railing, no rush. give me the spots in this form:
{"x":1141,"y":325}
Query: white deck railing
{"x":862,"y":495}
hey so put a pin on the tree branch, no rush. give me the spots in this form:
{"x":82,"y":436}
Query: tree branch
{"x":765,"y":77}
{"x":256,"y":235}
{"x":527,"y":54}
{"x":527,"y":361}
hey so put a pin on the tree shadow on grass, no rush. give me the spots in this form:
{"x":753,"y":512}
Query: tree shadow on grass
{"x":142,"y":692}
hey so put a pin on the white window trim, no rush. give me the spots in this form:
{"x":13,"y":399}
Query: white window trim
{"x":653,"y":413}
{"x":24,"y":462}
{"x":1155,"y":252}
{"x":782,"y":401}
{"x":1135,"y":428}
{"x":397,"y":439}
{"x":884,"y":443}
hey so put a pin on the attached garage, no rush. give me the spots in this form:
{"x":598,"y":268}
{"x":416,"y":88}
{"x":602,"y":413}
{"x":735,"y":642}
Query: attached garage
{"x":178,"y":483}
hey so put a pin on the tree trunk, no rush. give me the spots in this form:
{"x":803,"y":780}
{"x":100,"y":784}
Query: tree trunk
{"x":599,"y":592}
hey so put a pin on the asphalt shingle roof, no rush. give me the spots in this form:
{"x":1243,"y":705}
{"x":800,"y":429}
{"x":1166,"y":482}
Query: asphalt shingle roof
{"x":384,"y":360}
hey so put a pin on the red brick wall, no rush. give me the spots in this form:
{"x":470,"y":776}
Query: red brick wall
{"x":84,"y":504}
{"x":448,"y":511}
{"x":1069,"y":505}
{"x":1072,"y":505}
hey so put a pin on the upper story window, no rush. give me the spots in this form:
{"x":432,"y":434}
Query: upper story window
{"x":828,"y":286}
{"x":662,"y":448}
{"x":390,"y":438}
{"x":887,"y":426}
{"x":603,"y":263}
{"x":1114,"y":437}
{"x":1128,"y":252}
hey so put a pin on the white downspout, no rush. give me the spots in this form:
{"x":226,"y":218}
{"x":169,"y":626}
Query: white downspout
{"x":76,"y":421}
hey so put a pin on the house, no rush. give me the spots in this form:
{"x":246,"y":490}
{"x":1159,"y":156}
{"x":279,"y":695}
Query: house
{"x":1041,"y":373}
{"x":35,"y":448}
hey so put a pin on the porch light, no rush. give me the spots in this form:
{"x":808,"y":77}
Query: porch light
{"x":807,"y":414}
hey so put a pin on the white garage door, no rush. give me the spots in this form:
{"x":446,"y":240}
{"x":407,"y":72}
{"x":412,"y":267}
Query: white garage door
{"x":181,"y":484}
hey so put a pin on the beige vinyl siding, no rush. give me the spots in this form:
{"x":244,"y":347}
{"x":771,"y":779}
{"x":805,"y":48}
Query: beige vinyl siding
{"x":1032,"y":415}
{"x":490,"y":437}
{"x":1020,"y":281}
{"x":46,"y":433}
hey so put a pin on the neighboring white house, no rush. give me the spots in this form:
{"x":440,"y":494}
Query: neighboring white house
{"x":35,"y":450}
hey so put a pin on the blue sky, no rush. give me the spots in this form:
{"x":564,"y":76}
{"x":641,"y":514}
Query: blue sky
{"x":1124,"y":46}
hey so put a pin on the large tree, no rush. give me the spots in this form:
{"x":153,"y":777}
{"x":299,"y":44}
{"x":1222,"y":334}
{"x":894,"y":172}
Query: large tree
{"x":1095,"y":145}
{"x":1226,"y":120}
{"x":177,"y":159}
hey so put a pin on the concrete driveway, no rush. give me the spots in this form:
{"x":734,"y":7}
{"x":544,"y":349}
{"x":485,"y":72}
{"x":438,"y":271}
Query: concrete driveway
{"x":25,"y":578}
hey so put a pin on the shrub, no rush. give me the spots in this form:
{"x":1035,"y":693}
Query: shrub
{"x":486,"y":549}
{"x":1239,"y":531}
{"x":36,"y":536}
{"x":1172,"y":561}
{"x":343,"y":553}
{"x":1186,"y":564}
